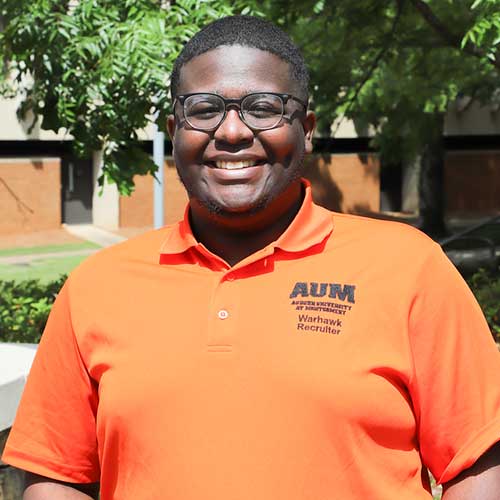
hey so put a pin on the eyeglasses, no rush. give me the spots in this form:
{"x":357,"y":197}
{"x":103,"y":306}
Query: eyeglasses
{"x":259,"y":111}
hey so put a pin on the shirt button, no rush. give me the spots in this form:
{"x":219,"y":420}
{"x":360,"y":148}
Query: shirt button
{"x":222,"y":314}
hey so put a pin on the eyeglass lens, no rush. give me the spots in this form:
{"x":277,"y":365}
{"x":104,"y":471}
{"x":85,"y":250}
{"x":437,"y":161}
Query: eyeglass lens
{"x":260,"y":111}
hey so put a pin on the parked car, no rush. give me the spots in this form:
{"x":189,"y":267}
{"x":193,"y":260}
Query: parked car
{"x":475,"y":247}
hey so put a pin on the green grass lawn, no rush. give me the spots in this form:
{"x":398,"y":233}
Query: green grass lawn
{"x":68,"y":247}
{"x":43,"y":269}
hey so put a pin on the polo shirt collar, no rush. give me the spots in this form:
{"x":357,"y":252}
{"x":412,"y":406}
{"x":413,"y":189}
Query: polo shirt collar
{"x":311,"y":226}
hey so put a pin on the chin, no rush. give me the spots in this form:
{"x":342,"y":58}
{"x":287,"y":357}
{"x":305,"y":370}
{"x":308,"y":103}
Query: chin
{"x":219,"y":209}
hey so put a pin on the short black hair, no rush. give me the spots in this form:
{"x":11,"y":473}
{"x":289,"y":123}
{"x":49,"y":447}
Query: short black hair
{"x":247,"y":31}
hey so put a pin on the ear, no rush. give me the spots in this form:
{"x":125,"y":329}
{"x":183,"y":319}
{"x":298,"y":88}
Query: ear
{"x":171,"y":126}
{"x":309,"y":125}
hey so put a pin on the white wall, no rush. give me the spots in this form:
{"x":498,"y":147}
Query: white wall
{"x":105,"y":206}
{"x":473,"y":120}
{"x":11,"y":129}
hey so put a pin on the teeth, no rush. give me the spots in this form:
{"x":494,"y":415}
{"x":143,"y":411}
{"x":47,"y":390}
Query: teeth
{"x":234,"y":165}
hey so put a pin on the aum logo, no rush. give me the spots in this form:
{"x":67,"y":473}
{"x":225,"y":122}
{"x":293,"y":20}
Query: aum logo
{"x":331,"y":290}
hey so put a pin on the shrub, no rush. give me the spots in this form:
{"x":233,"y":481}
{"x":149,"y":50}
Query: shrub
{"x":486,"y":287}
{"x":24,"y":308}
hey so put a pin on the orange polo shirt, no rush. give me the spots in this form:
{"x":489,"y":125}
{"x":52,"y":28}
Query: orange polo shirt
{"x":330,"y":364}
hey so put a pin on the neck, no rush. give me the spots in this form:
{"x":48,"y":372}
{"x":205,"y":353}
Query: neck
{"x":235,"y":238}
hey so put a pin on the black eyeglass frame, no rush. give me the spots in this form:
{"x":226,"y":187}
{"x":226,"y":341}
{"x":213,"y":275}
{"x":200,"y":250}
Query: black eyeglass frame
{"x":237,"y":103}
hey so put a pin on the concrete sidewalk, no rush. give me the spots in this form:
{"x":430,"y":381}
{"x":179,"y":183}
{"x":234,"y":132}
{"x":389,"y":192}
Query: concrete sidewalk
{"x":94,"y":234}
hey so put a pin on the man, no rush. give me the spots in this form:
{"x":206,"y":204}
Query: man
{"x":262,"y":348}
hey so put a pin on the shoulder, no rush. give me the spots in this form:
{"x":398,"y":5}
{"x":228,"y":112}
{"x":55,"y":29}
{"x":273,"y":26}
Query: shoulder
{"x":381,"y":236}
{"x":139,"y":250}
{"x":394,"y":253}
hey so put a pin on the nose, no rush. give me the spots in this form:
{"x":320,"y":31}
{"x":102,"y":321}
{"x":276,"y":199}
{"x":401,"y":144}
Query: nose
{"x":233,"y":129}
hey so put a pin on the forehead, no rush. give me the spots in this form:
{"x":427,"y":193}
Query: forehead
{"x":235,"y":70}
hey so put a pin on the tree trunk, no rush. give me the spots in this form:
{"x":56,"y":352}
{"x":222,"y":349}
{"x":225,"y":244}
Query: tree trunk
{"x":431,"y":180}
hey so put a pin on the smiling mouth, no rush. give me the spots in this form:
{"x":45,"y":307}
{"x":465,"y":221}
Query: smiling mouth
{"x":236,"y":165}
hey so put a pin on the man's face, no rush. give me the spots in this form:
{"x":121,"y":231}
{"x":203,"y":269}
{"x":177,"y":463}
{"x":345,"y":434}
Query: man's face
{"x":235,"y":171}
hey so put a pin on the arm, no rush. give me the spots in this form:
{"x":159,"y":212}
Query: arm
{"x":481,"y":481}
{"x":54,"y":432}
{"x":43,"y":488}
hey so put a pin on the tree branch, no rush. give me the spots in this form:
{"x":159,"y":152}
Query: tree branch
{"x":442,"y":30}
{"x":388,"y":39}
{"x":435,"y":23}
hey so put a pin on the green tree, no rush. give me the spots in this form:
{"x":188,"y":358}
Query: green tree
{"x":398,"y":66}
{"x":99,"y":69}
{"x":485,"y":33}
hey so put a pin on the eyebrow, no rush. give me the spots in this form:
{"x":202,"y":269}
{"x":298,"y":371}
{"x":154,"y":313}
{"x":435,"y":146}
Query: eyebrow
{"x":244,"y":92}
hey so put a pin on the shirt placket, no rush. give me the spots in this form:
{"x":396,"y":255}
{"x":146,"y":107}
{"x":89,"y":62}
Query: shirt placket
{"x":223,"y":314}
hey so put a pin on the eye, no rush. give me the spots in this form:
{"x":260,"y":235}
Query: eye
{"x":202,"y":109}
{"x":263,"y":108}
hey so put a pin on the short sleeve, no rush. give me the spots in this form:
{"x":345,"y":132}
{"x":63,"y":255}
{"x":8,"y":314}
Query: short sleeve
{"x":54,"y":432}
{"x":455,"y":385}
